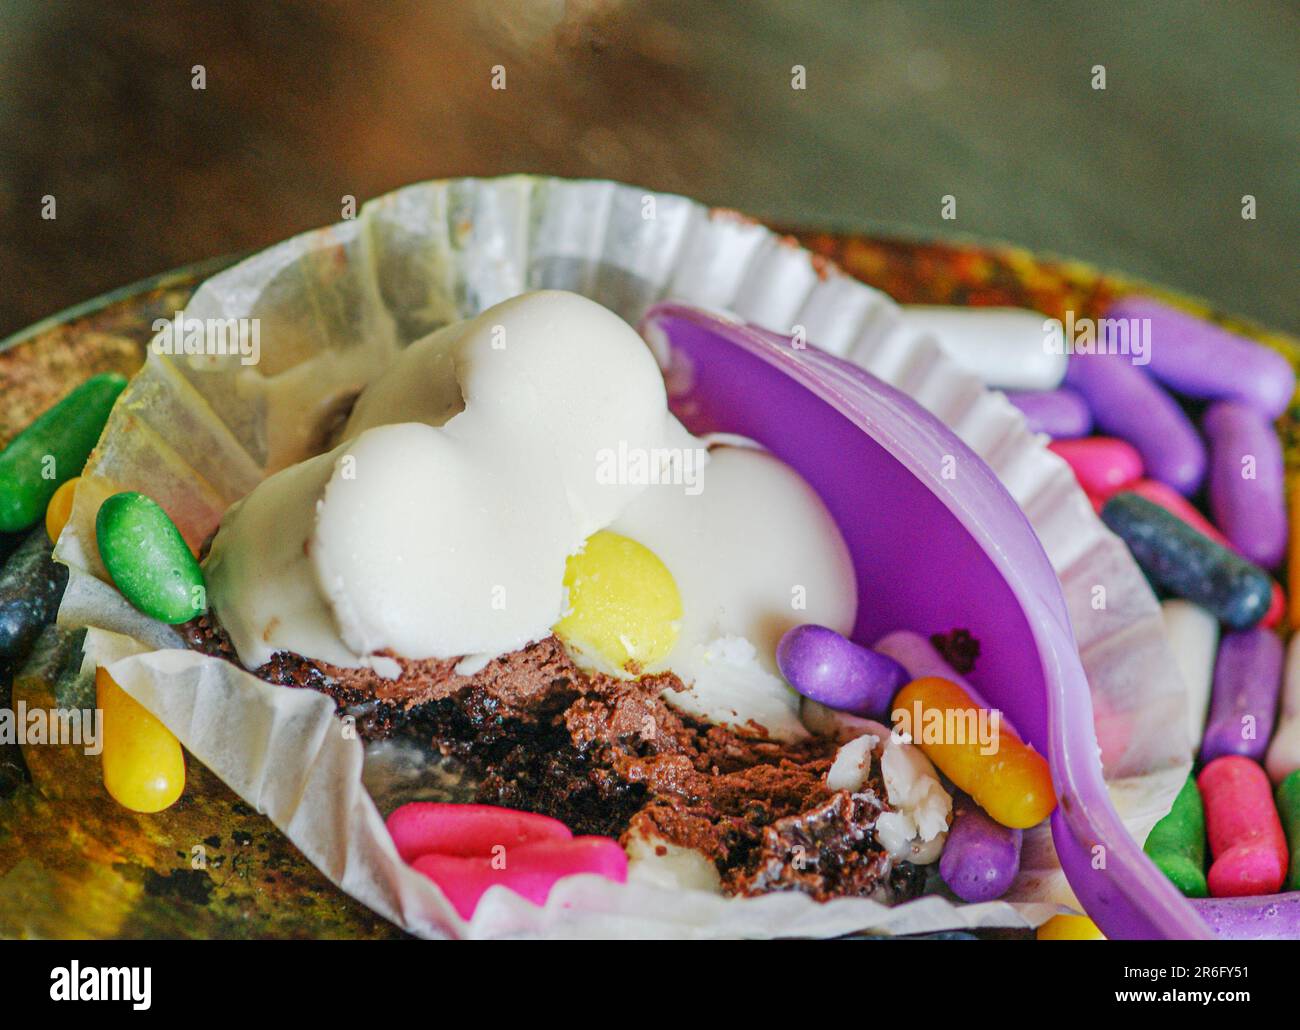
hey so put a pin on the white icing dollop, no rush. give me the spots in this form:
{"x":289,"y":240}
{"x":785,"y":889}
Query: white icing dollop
{"x":446,"y":534}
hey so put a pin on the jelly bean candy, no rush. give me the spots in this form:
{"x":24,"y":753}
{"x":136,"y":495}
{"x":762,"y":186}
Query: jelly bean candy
{"x":1102,"y":465}
{"x":1288,"y":811}
{"x":1284,"y":752}
{"x":1246,"y":493}
{"x":1199,"y":359}
{"x":1176,"y":504}
{"x":148,"y":559}
{"x":624,"y":608}
{"x":1246,"y":838}
{"x":1062,"y":414}
{"x":1293,"y":555}
{"x":52,"y":450}
{"x":981,"y":857}
{"x":827,"y":667}
{"x":1186,"y":563}
{"x":1008,"y":778}
{"x":1070,"y":928}
{"x":1271,"y":917}
{"x":530,"y":870}
{"x":1128,"y":403}
{"x":31,"y":587}
{"x":1176,"y":843}
{"x":1005,"y":347}
{"x":1247,"y":676}
{"x":60,"y":508}
{"x":144,"y":767}
{"x":423,"y":827}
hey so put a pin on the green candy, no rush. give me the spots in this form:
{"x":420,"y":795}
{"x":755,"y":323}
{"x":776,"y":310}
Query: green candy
{"x":148,"y":558}
{"x":1288,"y":807}
{"x":52,"y":450}
{"x":1177,"y":842}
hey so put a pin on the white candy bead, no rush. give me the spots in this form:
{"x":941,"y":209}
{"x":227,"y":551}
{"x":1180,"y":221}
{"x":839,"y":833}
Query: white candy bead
{"x":1284,"y":753}
{"x":1009,"y":348}
{"x":1194,"y":638}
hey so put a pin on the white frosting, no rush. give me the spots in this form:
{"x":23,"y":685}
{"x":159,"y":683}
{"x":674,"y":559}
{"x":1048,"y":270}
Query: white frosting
{"x":754,"y":553}
{"x":481,"y":459}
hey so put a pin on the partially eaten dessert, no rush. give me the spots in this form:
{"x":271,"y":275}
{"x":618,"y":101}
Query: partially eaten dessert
{"x":516,"y":553}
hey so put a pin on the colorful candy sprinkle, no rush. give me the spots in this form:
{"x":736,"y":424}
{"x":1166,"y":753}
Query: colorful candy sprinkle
{"x":1070,"y":928}
{"x":829,"y":668}
{"x":60,"y":508}
{"x":1241,"y":820}
{"x":144,"y":767}
{"x":52,"y":450}
{"x":1246,"y":493}
{"x":530,"y":870}
{"x":425,"y":827}
{"x":1176,"y":843}
{"x":1062,"y":414}
{"x":1199,"y":359}
{"x":148,"y":559}
{"x":981,"y":857}
{"x":1186,"y":563}
{"x":1008,"y":778}
{"x":1247,"y":676}
{"x":624,"y":607}
{"x":1102,"y":465}
{"x":1127,"y":403}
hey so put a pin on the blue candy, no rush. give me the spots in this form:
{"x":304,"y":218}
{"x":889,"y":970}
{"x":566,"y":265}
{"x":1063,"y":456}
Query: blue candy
{"x":1188,"y":564}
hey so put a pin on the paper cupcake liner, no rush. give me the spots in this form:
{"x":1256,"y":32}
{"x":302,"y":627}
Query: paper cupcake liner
{"x":334,"y":305}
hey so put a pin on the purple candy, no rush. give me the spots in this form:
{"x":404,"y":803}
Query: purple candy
{"x":828,"y":667}
{"x":1247,"y":497}
{"x":1199,"y":359}
{"x":1267,"y":917}
{"x":1247,"y":679}
{"x":981,"y":857}
{"x":1062,"y":414}
{"x":1128,"y":403}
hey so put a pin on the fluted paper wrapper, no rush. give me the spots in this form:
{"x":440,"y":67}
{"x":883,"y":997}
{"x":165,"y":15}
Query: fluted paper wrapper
{"x":333,"y":306}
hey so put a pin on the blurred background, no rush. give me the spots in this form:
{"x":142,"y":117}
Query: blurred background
{"x":905,"y":103}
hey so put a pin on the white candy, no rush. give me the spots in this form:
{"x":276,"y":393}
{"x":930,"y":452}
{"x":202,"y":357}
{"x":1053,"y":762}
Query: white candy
{"x":1009,"y":348}
{"x":1284,"y":753}
{"x":917,"y":827}
{"x":1194,"y":638}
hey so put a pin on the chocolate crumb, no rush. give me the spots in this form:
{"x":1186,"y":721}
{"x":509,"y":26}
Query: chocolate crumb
{"x":958,"y":648}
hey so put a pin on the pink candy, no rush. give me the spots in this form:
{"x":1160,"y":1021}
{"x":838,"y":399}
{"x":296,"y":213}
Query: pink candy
{"x":1246,"y":838}
{"x":423,"y":827}
{"x":465,"y":849}
{"x":1102,"y":464}
{"x":530,"y":871}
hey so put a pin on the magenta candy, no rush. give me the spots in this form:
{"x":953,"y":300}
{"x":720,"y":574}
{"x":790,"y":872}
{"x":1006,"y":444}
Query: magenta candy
{"x":1243,"y":706}
{"x":424,"y":827}
{"x":1199,"y":359}
{"x":1128,"y":403}
{"x":1245,"y":833}
{"x":1267,"y":917}
{"x":1062,"y":414}
{"x":981,"y":857}
{"x":1247,"y":494}
{"x":828,"y":667}
{"x":1101,"y":464}
{"x":530,"y":870}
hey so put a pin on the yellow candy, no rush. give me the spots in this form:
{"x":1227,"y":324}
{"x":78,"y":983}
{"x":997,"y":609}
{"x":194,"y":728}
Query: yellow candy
{"x":59,"y":509}
{"x":1070,"y":928}
{"x":1012,"y":783}
{"x":144,"y":769}
{"x":623,"y":604}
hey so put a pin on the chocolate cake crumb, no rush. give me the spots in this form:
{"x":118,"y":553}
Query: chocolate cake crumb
{"x":958,"y":648}
{"x":609,"y":756}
